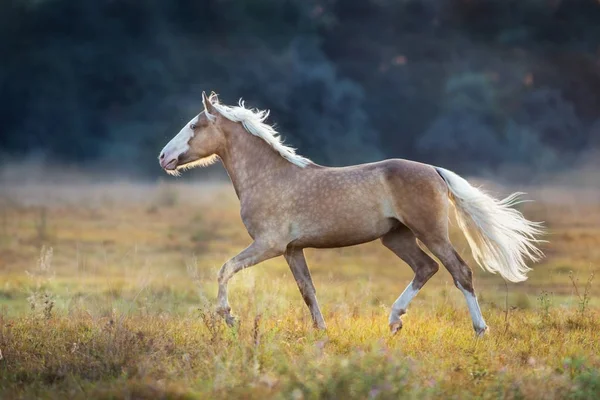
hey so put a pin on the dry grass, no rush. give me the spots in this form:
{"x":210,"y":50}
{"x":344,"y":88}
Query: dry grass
{"x":122,"y":307}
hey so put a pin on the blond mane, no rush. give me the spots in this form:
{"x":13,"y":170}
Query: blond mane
{"x":254,"y":122}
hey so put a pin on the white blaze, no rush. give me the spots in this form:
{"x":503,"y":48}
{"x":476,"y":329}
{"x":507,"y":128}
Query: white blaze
{"x":180,"y":143}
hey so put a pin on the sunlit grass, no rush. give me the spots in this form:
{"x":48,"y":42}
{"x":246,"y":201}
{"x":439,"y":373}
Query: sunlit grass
{"x":126,"y":309}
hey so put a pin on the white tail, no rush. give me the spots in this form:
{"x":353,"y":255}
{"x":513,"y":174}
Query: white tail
{"x":500,"y":237}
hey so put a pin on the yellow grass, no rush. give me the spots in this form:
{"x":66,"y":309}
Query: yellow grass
{"x":124,"y":308}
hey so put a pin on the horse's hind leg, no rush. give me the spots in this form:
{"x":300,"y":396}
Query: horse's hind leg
{"x":462,"y":275}
{"x":404,"y":244}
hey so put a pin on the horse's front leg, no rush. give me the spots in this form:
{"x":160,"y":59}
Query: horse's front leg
{"x":297,"y":262}
{"x":252,"y":255}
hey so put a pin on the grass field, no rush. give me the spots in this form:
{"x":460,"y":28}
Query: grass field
{"x":107,"y":291}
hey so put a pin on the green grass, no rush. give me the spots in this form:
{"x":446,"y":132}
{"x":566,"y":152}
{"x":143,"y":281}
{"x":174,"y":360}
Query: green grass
{"x":124,"y":309}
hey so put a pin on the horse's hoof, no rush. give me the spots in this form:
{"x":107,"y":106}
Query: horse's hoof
{"x":225,"y":312}
{"x":230,"y":320}
{"x":395,"y":327}
{"x":480,"y":332}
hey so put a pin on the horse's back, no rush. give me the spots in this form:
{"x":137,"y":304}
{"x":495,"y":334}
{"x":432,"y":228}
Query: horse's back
{"x":400,"y":174}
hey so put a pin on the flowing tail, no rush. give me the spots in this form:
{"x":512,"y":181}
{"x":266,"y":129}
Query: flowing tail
{"x":499,"y":236}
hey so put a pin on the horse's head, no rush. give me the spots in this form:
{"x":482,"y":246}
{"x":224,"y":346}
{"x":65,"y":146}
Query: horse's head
{"x":196,"y":144}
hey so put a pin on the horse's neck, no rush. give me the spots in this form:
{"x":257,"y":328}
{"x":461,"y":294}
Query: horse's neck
{"x":250,"y":162}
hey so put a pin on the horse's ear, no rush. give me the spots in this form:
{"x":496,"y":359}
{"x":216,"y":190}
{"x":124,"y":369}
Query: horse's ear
{"x":208,"y":107}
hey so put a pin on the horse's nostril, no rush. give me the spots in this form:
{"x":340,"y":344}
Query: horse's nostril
{"x":162,"y":156}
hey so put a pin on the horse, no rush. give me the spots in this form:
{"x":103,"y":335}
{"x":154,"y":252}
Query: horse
{"x":289,"y":203}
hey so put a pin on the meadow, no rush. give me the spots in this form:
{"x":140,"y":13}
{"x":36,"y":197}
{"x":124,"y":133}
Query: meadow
{"x":107,"y":291}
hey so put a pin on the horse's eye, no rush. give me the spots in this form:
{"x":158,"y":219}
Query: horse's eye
{"x":193,"y":127}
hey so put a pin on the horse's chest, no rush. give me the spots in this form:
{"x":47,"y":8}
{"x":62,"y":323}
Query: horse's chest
{"x":248,"y":220}
{"x":260,"y":219}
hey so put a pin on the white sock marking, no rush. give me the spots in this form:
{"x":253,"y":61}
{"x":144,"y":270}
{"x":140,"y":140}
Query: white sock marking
{"x":401,"y":304}
{"x":474,"y":310}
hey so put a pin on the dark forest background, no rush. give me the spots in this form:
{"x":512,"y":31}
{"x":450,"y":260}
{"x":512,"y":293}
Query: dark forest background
{"x":473,"y":85}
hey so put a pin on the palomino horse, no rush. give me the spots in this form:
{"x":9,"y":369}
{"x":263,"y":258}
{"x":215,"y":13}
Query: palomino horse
{"x":289,"y":203}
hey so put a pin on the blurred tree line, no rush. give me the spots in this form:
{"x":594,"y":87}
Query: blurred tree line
{"x":469,"y":84}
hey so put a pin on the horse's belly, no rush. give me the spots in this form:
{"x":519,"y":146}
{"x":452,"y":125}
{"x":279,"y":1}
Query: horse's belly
{"x":349,"y":233}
